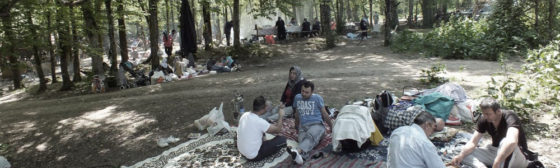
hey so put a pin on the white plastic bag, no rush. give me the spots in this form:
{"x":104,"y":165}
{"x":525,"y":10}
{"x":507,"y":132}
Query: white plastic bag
{"x":213,"y":122}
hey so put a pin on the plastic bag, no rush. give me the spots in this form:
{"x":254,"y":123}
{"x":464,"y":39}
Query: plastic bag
{"x":213,"y":122}
{"x":163,"y":142}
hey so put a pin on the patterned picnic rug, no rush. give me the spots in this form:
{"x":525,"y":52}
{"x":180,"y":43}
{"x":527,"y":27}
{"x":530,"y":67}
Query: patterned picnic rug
{"x":221,"y":151}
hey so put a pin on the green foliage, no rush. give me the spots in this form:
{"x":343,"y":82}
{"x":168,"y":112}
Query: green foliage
{"x":463,"y":38}
{"x":433,"y":75}
{"x":543,"y":65}
{"x":407,"y":41}
{"x":509,"y":94}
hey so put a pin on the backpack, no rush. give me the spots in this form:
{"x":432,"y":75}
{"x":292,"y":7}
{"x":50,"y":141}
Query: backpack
{"x":382,"y":102}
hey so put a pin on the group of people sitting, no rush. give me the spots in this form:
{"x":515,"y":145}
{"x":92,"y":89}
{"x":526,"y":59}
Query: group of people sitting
{"x":409,"y":143}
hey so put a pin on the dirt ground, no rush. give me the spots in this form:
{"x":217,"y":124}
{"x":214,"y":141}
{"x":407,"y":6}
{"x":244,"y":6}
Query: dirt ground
{"x":122,"y":127}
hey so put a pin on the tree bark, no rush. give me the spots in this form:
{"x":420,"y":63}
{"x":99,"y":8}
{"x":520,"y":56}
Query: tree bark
{"x":236,"y":42}
{"x":51,"y":48}
{"x":325,"y":23}
{"x":91,"y":30}
{"x":410,"y":13}
{"x":9,"y":35}
{"x":340,"y":17}
{"x":390,"y":22}
{"x":207,"y":25}
{"x":153,"y":24}
{"x":64,"y":41}
{"x":537,"y":15}
{"x":76,"y":46}
{"x":122,"y":31}
{"x":551,"y":18}
{"x":37,"y":56}
{"x":427,"y":13}
{"x":112,"y":44}
{"x":167,"y":16}
{"x":371,"y":13}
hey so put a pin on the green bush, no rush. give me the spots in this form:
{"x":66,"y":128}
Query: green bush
{"x":433,"y":75}
{"x":543,"y":65}
{"x":407,"y":41}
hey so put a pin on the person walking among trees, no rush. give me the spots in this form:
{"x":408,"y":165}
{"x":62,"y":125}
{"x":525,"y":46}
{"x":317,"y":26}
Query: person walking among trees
{"x":168,"y":42}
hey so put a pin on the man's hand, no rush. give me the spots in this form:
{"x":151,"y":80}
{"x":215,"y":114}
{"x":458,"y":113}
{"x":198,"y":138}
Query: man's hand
{"x":281,"y":111}
{"x":457,"y":160}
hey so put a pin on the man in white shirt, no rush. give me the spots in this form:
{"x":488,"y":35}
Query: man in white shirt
{"x":251,"y":141}
{"x":410,"y":147}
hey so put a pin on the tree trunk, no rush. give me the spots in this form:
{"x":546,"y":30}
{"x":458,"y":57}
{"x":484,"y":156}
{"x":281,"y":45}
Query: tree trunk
{"x":371,"y":13}
{"x":91,"y":30}
{"x":325,"y":23}
{"x":207,"y":25}
{"x":167,"y":16}
{"x":390,"y":11}
{"x":153,"y":24}
{"x":410,"y":13}
{"x":9,"y":35}
{"x":340,"y":18}
{"x":51,"y":48}
{"x":551,"y":18}
{"x":218,"y":30}
{"x":76,"y":45}
{"x":37,"y":56}
{"x":537,"y":15}
{"x":122,"y":31}
{"x":112,"y":44}
{"x":348,"y":12}
{"x":236,"y":42}
{"x":427,"y":13}
{"x":173,"y":15}
{"x":64,"y":41}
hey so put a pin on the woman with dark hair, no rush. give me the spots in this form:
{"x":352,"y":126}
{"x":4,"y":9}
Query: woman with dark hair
{"x":293,"y":87}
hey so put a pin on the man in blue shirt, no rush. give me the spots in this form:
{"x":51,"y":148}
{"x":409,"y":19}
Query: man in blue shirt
{"x":309,"y":113}
{"x":409,"y":146}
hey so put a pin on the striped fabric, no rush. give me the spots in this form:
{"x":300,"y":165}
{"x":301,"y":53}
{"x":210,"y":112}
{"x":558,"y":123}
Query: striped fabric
{"x":330,"y":160}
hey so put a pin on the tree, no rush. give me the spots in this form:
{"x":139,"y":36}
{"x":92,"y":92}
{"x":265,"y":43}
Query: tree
{"x":410,"y":13}
{"x":371,"y":13}
{"x":325,"y":23}
{"x":91,"y":30}
{"x":122,"y":31}
{"x":64,"y":41}
{"x":188,"y":32}
{"x":6,"y":17}
{"x":391,"y":19}
{"x":76,"y":46}
{"x":236,"y":42}
{"x":340,"y":17}
{"x":551,"y":18}
{"x":153,"y":26}
{"x":50,"y":47}
{"x":112,"y":44}
{"x":207,"y":25}
{"x":427,"y":13}
{"x":37,"y":56}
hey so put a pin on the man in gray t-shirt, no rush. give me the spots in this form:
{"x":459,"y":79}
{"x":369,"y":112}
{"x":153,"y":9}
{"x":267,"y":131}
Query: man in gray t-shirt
{"x":309,"y":114}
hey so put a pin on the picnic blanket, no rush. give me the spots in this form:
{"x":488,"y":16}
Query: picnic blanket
{"x":221,"y":151}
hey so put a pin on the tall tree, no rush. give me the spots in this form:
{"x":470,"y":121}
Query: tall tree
{"x":91,"y":29}
{"x":122,"y":31}
{"x":50,"y":42}
{"x":167,"y":16}
{"x":551,"y":18}
{"x":236,"y":42}
{"x":37,"y":56}
{"x":325,"y":23}
{"x":76,"y":47}
{"x":188,"y":32}
{"x":536,"y":14}
{"x":371,"y":13}
{"x":112,"y":44}
{"x":153,"y":26}
{"x":391,"y":19}
{"x":6,"y":17}
{"x":207,"y":25}
{"x":427,"y":13}
{"x":410,"y":13}
{"x":64,"y":40}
